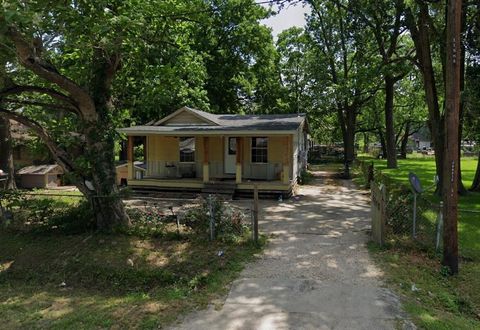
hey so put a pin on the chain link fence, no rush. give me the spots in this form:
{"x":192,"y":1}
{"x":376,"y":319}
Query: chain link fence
{"x":413,"y":218}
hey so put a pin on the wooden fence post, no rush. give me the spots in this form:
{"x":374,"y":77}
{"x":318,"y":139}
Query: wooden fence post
{"x":255,"y":213}
{"x":378,"y":213}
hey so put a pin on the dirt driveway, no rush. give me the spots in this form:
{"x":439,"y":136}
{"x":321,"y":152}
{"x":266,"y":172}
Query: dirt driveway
{"x":315,"y":273}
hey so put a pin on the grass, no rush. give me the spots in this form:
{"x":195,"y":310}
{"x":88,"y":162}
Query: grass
{"x":90,"y":281}
{"x":442,"y":301}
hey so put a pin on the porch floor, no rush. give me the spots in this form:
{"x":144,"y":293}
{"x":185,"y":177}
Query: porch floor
{"x":198,"y":184}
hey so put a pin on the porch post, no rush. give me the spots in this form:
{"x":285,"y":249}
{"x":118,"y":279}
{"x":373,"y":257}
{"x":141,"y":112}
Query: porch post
{"x":238,"y":172}
{"x":286,"y":161}
{"x":206,"y":166}
{"x":130,"y":158}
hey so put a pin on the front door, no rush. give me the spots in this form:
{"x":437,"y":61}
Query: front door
{"x":230,"y":155}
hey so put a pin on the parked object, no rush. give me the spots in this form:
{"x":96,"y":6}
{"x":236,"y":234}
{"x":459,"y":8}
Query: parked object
{"x":40,"y":176}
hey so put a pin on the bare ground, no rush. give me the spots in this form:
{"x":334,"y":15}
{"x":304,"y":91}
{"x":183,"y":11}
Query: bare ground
{"x":315,"y":273}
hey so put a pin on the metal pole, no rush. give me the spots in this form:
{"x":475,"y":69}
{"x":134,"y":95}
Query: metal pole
{"x":255,"y":213}
{"x":439,"y":226}
{"x":212,"y":220}
{"x":414,"y":233}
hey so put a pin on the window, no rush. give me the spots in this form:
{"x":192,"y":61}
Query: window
{"x":259,"y":150}
{"x":232,"y":146}
{"x":187,"y":149}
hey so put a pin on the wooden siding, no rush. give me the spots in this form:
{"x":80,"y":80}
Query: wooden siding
{"x":164,"y":150}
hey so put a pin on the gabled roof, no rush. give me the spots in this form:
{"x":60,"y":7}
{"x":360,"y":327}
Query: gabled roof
{"x":207,"y":118}
{"x":40,"y":169}
{"x":221,"y":124}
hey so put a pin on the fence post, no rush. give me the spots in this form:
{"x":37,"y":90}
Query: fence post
{"x":255,"y":213}
{"x":439,"y":226}
{"x":414,"y":233}
{"x":212,"y":218}
{"x":378,"y":213}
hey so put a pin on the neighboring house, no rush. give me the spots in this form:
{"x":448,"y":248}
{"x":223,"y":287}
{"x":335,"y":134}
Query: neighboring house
{"x":421,"y":140}
{"x":40,"y":176}
{"x":122,"y":172}
{"x":196,"y":150}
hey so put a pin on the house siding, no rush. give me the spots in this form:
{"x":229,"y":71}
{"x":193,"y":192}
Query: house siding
{"x":185,"y":118}
{"x":163,"y":150}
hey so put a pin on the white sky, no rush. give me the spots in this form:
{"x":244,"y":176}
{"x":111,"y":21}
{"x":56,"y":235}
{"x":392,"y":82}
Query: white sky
{"x":288,"y":17}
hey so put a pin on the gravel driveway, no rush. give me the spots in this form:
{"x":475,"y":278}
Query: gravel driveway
{"x":315,"y":273}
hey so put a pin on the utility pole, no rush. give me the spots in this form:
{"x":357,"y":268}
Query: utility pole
{"x":452,"y":111}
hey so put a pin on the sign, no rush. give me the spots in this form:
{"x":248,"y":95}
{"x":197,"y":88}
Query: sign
{"x":415,"y":183}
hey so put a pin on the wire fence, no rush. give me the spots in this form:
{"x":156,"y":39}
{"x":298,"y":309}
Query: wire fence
{"x":206,"y":216}
{"x":415,"y":218}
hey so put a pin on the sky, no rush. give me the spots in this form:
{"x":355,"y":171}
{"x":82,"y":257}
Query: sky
{"x":288,"y":17}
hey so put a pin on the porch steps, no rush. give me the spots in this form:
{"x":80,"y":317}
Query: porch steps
{"x":225,"y":189}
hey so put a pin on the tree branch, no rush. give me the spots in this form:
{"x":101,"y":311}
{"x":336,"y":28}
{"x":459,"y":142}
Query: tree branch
{"x":19,"y":89}
{"x":60,"y":155}
{"x":41,"y":104}
{"x":29,"y":58}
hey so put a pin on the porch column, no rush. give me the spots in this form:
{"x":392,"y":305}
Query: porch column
{"x":130,"y":167}
{"x":238,"y":172}
{"x":286,"y":160}
{"x":206,"y":166}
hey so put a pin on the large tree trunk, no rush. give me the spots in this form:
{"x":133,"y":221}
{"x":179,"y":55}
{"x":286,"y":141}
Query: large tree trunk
{"x":6,"y":152}
{"x":107,"y":205}
{"x":404,"y":142}
{"x":366,"y":142}
{"x":476,"y":179}
{"x":389,"y":124}
{"x":383,"y":144}
{"x":349,"y":140}
{"x":420,"y":33}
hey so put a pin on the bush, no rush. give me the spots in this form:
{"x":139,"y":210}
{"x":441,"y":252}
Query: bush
{"x":33,"y":213}
{"x":147,"y":222}
{"x":229,"y":222}
{"x":305,"y":177}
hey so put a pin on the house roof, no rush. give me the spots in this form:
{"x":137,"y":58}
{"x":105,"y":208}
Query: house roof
{"x":40,"y":169}
{"x":221,"y":123}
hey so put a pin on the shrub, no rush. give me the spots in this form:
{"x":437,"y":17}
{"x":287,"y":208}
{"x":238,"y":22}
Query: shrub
{"x":147,"y":222}
{"x":229,"y":222}
{"x":33,"y":213}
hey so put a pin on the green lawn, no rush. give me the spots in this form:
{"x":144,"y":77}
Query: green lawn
{"x":94,"y":281}
{"x":442,"y":301}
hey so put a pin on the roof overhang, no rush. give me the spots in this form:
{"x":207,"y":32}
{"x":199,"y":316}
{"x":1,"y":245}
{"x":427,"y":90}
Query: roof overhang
{"x":154,"y":130}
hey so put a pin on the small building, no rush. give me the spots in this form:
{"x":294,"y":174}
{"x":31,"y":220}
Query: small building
{"x":195,"y":150}
{"x":122,"y":172}
{"x":40,"y":176}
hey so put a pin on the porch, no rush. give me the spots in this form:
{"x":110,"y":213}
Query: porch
{"x":199,"y":163}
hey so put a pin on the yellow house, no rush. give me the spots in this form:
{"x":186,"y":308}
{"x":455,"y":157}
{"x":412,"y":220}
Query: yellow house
{"x":199,"y":151}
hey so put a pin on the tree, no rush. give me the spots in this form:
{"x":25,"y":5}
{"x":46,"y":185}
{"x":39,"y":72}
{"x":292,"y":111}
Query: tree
{"x":385,"y":21}
{"x":292,"y":46}
{"x":239,"y":56}
{"x":347,"y":77}
{"x":65,"y":57}
{"x":6,"y":155}
{"x":472,"y":81}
